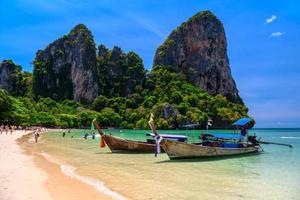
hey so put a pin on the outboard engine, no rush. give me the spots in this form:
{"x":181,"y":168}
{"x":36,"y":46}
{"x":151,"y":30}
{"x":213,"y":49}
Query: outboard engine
{"x":252,"y":139}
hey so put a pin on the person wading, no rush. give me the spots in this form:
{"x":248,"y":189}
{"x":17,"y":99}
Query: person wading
{"x":36,"y":136}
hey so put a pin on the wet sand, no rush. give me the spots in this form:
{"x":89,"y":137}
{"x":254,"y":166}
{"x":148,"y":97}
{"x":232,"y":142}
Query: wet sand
{"x":26,"y":175}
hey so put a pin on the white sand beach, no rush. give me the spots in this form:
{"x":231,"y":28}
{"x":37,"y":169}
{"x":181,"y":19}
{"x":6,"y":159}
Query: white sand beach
{"x":19,"y":176}
{"x":25,"y":176}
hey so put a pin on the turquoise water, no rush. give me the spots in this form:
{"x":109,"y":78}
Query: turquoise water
{"x":271,"y":174}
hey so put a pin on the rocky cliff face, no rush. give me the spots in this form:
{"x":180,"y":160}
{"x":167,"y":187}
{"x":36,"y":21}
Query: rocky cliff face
{"x":12,"y":79}
{"x":7,"y":75}
{"x":198,"y":50}
{"x":65,"y":68}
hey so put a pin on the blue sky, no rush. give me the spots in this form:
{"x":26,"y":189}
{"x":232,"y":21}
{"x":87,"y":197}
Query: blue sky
{"x":263,"y":40}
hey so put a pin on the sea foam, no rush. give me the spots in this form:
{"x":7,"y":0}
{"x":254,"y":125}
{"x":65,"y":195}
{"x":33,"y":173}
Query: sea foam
{"x":290,"y":137}
{"x":99,"y":185}
{"x":69,"y":171}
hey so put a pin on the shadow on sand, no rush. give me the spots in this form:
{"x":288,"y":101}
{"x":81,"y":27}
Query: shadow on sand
{"x":209,"y":159}
{"x":125,"y":152}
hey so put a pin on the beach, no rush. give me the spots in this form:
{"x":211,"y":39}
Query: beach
{"x":26,"y":175}
{"x":71,"y":167}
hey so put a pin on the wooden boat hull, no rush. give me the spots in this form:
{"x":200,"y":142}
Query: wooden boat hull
{"x":178,"y":150}
{"x":122,"y":145}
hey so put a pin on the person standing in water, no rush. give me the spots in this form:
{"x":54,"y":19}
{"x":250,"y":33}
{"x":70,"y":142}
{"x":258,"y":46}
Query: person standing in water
{"x":85,"y":136}
{"x":93,"y":136}
{"x":36,"y":135}
{"x":64,"y":134}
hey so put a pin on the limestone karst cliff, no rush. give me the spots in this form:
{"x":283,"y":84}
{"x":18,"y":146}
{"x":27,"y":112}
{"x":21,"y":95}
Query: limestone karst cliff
{"x":64,"y":70}
{"x":198,"y":50}
{"x":13,"y":80}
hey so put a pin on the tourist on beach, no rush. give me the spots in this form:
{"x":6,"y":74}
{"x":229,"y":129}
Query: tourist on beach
{"x":36,"y":135}
{"x":93,"y":136}
{"x":64,"y":134}
{"x":85,"y":136}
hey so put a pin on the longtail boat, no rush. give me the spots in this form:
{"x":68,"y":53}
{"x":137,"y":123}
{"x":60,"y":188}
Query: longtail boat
{"x":178,"y":150}
{"x":117,"y":144}
{"x":214,"y":145}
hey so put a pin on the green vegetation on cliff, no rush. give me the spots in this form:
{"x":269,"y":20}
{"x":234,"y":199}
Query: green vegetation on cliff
{"x":73,"y":82}
{"x":168,"y":43}
{"x":118,"y":73}
{"x":173,"y":101}
{"x":64,"y":67}
{"x":13,"y":80}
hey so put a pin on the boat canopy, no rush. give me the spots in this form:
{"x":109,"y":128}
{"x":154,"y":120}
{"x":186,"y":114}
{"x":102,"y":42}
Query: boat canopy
{"x":227,"y":136}
{"x":246,"y":123}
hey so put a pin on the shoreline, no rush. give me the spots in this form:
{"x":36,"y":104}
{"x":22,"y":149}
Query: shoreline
{"x":27,"y":175}
{"x":63,"y":187}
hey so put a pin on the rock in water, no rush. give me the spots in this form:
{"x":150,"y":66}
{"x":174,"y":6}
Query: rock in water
{"x":64,"y":70}
{"x":198,"y":50}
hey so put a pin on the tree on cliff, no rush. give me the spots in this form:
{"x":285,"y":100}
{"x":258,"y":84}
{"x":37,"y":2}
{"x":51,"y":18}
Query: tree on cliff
{"x":119,"y":74}
{"x":13,"y":80}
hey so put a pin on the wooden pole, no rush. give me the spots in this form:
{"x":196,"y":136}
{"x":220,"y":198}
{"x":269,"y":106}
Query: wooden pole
{"x":102,"y":142}
{"x":98,"y":127}
{"x":151,"y":124}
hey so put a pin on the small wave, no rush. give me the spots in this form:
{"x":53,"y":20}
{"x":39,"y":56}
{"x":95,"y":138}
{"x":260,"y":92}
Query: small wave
{"x":290,"y":137}
{"x":51,"y":158}
{"x":69,"y":170}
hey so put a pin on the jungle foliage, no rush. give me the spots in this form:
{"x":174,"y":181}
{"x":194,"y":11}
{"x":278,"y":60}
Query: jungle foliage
{"x":162,"y":88}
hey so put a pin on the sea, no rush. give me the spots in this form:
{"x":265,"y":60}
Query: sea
{"x":273,"y":173}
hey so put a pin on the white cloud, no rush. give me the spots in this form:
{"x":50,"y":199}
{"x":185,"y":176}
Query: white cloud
{"x":276,"y":34}
{"x":271,"y":19}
